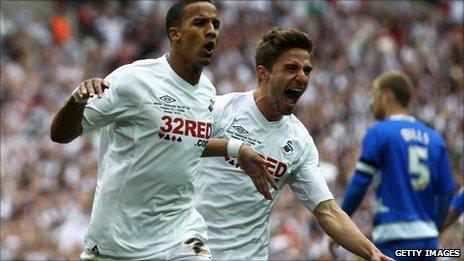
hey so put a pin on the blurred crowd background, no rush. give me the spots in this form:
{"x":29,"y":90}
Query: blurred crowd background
{"x":47,"y":48}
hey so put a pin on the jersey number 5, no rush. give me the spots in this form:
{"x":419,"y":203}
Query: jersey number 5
{"x":420,"y":173}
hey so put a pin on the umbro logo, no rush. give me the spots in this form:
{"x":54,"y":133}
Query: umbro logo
{"x":167,"y":99}
{"x":240,"y":129}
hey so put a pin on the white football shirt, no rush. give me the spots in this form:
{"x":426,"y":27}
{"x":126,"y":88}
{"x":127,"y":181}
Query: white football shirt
{"x":153,"y":131}
{"x":237,"y":216}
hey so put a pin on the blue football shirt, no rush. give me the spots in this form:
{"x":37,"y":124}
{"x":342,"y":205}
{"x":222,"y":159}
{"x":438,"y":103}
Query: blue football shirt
{"x":409,"y":164}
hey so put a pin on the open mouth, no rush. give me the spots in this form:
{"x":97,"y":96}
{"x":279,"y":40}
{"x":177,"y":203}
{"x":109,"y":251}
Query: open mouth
{"x":209,"y":47}
{"x":292,"y":95}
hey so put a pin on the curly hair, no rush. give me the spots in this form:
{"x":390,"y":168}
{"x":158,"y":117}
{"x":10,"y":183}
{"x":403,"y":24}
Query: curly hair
{"x":276,"y":41}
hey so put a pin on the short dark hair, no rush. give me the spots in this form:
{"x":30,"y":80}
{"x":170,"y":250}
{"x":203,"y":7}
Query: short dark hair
{"x":277,"y":41}
{"x":399,"y":83}
{"x":176,"y":12}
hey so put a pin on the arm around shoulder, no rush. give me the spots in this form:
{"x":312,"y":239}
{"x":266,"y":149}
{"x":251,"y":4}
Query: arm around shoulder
{"x":66,"y":125}
{"x":215,"y":147}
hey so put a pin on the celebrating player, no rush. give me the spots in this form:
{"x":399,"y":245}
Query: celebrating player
{"x":155,"y":118}
{"x":410,"y":162}
{"x":237,"y":219}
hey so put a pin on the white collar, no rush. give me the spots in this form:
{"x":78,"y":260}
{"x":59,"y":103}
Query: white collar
{"x":402,"y":117}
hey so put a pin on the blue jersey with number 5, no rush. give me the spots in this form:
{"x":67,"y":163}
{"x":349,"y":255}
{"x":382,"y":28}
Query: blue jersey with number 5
{"x":409,"y":163}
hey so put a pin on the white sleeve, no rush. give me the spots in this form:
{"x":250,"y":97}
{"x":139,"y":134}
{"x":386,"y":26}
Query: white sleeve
{"x":307,"y":182}
{"x":220,"y":103}
{"x":116,"y":104}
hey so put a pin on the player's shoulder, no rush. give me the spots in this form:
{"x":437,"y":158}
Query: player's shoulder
{"x":231,"y":102}
{"x":385,"y":126}
{"x":293,"y":122}
{"x":295,"y":131}
{"x":390,"y":127}
{"x":295,"y":127}
{"x":137,"y":68}
{"x":378,"y":132}
{"x":128,"y":80}
{"x":379,"y":126}
{"x":232,"y":98}
{"x":148,"y":62}
{"x":433,"y":134}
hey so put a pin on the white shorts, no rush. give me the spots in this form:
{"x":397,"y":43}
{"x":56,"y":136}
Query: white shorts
{"x":191,"y":249}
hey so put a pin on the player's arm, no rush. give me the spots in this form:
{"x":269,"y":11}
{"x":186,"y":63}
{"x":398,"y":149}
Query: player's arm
{"x":452,"y":215}
{"x":444,"y":187}
{"x":443,"y":202}
{"x":366,"y":168}
{"x":353,"y":197}
{"x":215,"y":147}
{"x":455,"y":210}
{"x":312,"y":191}
{"x":356,"y":191}
{"x":336,"y":223}
{"x":66,"y":125}
{"x":251,"y":163}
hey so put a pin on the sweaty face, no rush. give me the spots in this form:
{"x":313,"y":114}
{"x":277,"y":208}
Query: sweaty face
{"x":289,"y":79}
{"x":376,"y":103}
{"x":198,"y":34}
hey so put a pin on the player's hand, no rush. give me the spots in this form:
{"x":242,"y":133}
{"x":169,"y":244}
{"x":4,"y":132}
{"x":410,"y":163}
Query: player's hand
{"x":89,"y":88}
{"x":256,"y":167}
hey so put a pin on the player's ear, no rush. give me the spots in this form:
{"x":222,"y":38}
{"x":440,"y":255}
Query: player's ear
{"x":262,"y":73}
{"x":174,"y":34}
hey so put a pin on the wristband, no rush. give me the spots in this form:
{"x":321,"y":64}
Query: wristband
{"x":233,"y":147}
{"x":77,"y":97}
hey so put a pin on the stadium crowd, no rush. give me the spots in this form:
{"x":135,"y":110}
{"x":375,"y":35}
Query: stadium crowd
{"x":47,"y":188}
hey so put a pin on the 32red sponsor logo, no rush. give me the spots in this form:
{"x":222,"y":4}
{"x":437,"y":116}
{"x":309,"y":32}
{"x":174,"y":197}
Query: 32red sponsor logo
{"x":275,"y":167}
{"x":180,"y":126}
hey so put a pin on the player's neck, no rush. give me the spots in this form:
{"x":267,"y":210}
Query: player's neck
{"x":396,"y":110}
{"x":186,"y":70}
{"x":265,"y":106}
